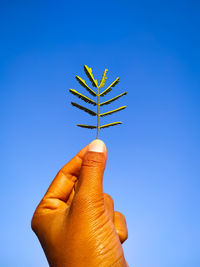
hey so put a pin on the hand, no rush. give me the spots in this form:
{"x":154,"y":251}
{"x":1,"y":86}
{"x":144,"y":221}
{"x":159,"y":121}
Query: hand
{"x":75,"y":221}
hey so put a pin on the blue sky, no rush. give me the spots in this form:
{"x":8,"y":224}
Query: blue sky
{"x":153,"y":167}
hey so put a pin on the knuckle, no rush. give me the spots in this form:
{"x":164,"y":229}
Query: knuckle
{"x":121,"y":226}
{"x":34,"y":223}
{"x":108,"y":198}
{"x":93,"y":159}
{"x":86,"y":199}
{"x":123,"y":235}
{"x":120,"y":216}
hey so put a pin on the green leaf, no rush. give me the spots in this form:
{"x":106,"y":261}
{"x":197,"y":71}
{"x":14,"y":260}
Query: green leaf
{"x":110,"y":124}
{"x":112,"y":111}
{"x":113,"y":99}
{"x":110,"y":87}
{"x":82,"y":82}
{"x":88,"y":72}
{"x":95,"y":102}
{"x":83,"y":97}
{"x":103,"y":79}
{"x":84,"y":109}
{"x":87,"y":126}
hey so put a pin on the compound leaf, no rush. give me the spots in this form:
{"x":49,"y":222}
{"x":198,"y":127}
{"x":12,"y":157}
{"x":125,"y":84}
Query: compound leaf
{"x":110,"y":87}
{"x":88,"y":72}
{"x":96,"y":93}
{"x":103,"y":79}
{"x":112,"y":111}
{"x":113,"y":99}
{"x":84,"y":109}
{"x":83,"y":97}
{"x":83,"y":83}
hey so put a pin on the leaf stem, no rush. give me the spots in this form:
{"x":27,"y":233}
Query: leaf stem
{"x":97,"y":112}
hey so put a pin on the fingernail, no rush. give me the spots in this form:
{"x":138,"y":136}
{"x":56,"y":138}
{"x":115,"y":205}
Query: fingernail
{"x":97,"y":146}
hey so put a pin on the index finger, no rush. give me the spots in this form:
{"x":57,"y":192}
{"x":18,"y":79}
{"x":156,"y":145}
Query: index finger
{"x":63,"y":183}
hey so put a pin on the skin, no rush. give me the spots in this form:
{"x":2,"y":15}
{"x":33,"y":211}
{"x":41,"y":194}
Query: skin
{"x":75,"y":221}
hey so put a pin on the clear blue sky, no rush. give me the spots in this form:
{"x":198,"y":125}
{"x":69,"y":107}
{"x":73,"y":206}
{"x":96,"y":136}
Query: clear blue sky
{"x":153,"y":168}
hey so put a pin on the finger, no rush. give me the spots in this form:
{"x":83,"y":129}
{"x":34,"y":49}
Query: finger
{"x":63,"y":183}
{"x":92,"y":169}
{"x":109,"y":205}
{"x":120,"y":226}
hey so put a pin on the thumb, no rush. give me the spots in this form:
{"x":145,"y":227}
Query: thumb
{"x":90,"y":182}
